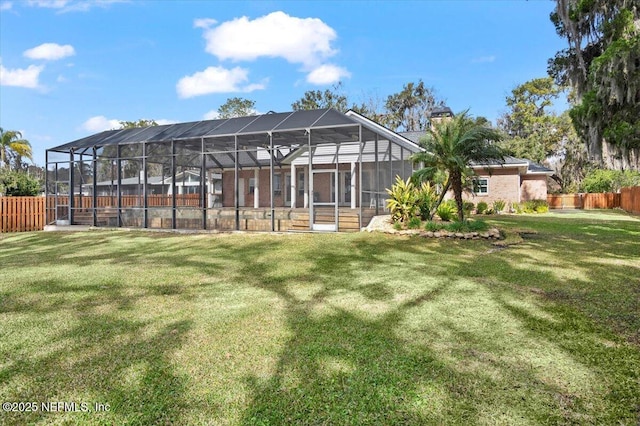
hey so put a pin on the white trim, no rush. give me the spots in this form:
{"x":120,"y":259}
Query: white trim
{"x":383,"y":131}
{"x":478,"y":178}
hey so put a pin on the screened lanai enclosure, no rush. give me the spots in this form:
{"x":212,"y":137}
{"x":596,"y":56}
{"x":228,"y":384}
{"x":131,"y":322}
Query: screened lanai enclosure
{"x":318,"y":170}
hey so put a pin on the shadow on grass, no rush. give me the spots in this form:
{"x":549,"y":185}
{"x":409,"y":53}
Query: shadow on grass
{"x":421,"y":356}
{"x":96,"y":357}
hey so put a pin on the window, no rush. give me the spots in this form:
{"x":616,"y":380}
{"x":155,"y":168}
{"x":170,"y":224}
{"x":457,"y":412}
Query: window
{"x":301,"y":184}
{"x":277,"y":184}
{"x":481,"y":186}
{"x":252,"y":185}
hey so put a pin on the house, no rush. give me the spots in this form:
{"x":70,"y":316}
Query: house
{"x":318,"y":170}
{"x":303,"y":170}
{"x":513,"y":180}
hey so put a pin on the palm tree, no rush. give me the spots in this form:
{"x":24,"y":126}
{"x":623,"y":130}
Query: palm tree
{"x":450,"y":147}
{"x":11,"y":142}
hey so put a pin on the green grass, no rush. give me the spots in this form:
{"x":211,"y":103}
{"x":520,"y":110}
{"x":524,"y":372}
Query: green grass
{"x":326,"y":329}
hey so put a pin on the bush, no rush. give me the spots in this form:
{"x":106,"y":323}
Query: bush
{"x":516,"y":208}
{"x":456,"y":226}
{"x":609,"y":180}
{"x":468,"y":207}
{"x":397,"y":226}
{"x":433,"y":226}
{"x":499,"y":205}
{"x":403,"y":200}
{"x":477,"y":225}
{"x":446,"y":211}
{"x":414,"y":223}
{"x":18,"y":184}
{"x":535,"y":206}
{"x":426,"y":198}
{"x":482,"y":207}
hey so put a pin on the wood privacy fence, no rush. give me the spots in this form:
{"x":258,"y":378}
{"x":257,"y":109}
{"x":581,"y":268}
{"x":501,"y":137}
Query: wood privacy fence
{"x":628,"y":199}
{"x":19,"y":214}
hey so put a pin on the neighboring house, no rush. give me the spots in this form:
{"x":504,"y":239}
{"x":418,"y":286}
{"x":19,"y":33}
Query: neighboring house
{"x":512,"y":180}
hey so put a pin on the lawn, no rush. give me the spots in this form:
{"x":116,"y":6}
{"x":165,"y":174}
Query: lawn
{"x":325,"y":328}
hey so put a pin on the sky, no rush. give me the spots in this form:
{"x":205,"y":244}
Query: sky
{"x":71,"y":68}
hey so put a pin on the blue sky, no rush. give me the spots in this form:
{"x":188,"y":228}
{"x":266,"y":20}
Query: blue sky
{"x":71,"y":68}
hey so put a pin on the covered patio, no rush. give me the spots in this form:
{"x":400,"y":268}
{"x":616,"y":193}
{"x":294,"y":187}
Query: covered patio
{"x":318,"y":170}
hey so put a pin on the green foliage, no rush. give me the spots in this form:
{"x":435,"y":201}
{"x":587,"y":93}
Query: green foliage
{"x":13,"y":146}
{"x":534,"y":206}
{"x":316,"y":99}
{"x":489,"y":211}
{"x":499,"y":205}
{"x":414,"y":223}
{"x":517,"y":208}
{"x":18,"y":183}
{"x":427,"y":198}
{"x":397,"y":226}
{"x":433,"y":226}
{"x":451,"y":145}
{"x":408,"y":110}
{"x":468,"y":207}
{"x":477,"y":225}
{"x":602,"y":65}
{"x":446,"y":211}
{"x":456,"y":226}
{"x":135,"y":124}
{"x":482,"y":207}
{"x":403,"y":200}
{"x":600,"y":180}
{"x":237,"y":107}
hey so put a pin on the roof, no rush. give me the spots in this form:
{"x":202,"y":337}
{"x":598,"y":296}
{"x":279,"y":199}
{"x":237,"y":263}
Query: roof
{"x":528,"y":167}
{"x":286,"y":129}
{"x":441,"y":111}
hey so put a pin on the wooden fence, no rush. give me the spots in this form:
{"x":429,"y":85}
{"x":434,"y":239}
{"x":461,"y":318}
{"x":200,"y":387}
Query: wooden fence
{"x":627,"y":199}
{"x":19,"y":214}
{"x":630,"y":199}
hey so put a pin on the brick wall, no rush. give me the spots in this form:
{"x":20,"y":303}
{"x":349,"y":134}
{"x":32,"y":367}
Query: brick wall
{"x":504,"y":184}
{"x":533,"y":188}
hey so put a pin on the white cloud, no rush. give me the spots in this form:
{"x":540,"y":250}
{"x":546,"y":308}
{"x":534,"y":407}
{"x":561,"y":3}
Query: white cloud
{"x":327,"y":74}
{"x":212,"y":115}
{"x":73,"y":5}
{"x":100,"y":123}
{"x":62,"y":79}
{"x":216,"y":80}
{"x":164,"y":121}
{"x":204,"y":23}
{"x":50,"y":52}
{"x":21,"y":77}
{"x":483,"y":59}
{"x":50,"y":4}
{"x":305,"y":41}
{"x":6,"y":5}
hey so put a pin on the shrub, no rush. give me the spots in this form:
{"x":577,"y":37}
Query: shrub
{"x":446,"y":211}
{"x":414,"y":223}
{"x":477,"y":225}
{"x":535,"y":206}
{"x":489,"y":211}
{"x":403,"y":200}
{"x":456,"y":226}
{"x":426,"y":198}
{"x":499,"y":205}
{"x":18,"y":184}
{"x":609,"y":180}
{"x":482,"y":207}
{"x":433,"y":226}
{"x":468,"y":207}
{"x":397,"y":226}
{"x":516,"y":208}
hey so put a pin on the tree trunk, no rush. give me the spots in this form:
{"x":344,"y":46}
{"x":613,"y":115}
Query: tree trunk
{"x":435,"y":208}
{"x":456,"y":183}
